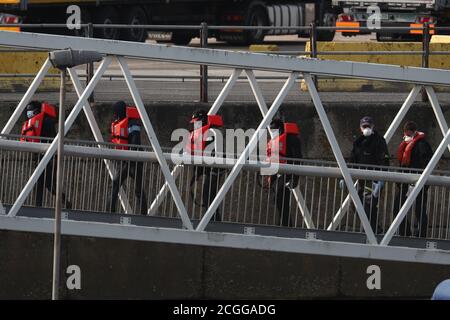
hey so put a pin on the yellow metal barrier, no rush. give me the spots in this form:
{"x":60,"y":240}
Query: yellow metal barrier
{"x":438,"y":43}
{"x":20,"y":62}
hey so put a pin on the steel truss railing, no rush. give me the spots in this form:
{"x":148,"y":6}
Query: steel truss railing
{"x":240,"y":62}
{"x":88,"y":187}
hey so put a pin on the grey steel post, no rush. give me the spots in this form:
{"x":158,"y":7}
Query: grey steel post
{"x":90,"y":66}
{"x":425,"y":55}
{"x":59,"y":176}
{"x":313,"y":41}
{"x":204,"y":68}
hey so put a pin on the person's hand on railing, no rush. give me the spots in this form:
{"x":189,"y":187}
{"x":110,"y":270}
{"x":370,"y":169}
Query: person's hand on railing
{"x":376,"y":188}
{"x":341,"y":184}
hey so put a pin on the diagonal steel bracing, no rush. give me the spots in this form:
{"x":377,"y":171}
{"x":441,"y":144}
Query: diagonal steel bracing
{"x":387,"y":136}
{"x":27,"y":97}
{"x":213,"y":110}
{"x":155,"y":143}
{"x":53,"y":146}
{"x":301,"y":203}
{"x":98,"y":137}
{"x":339,"y":158}
{"x":247,"y":151}
{"x":416,"y":190}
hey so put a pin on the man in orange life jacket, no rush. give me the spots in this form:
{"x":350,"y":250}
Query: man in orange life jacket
{"x":126,"y":130}
{"x":414,"y":152}
{"x":370,"y":149}
{"x":286,"y":143}
{"x":41,"y":123}
{"x":200,"y":138}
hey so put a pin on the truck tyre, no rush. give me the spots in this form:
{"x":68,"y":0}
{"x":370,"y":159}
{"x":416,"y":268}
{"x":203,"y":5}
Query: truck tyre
{"x":181,"y":38}
{"x":256,"y":17}
{"x":135,"y":16}
{"x":107,"y":15}
{"x":86,"y":17}
{"x":328,"y":20}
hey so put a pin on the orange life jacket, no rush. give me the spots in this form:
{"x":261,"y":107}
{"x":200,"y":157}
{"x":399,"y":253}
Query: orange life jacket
{"x":33,"y":127}
{"x":405,"y":149}
{"x":119,"y":128}
{"x":278,"y":144}
{"x":197,"y":138}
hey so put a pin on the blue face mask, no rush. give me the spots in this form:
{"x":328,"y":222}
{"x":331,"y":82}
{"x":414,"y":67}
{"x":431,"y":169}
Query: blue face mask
{"x":30,"y":114}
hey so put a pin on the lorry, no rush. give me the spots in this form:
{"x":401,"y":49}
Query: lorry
{"x":280,"y":13}
{"x":399,"y":13}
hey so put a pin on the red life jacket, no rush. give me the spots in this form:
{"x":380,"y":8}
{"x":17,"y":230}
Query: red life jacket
{"x":197,"y":138}
{"x":33,"y":127}
{"x":278,"y":144}
{"x":119,"y":128}
{"x":405,"y":149}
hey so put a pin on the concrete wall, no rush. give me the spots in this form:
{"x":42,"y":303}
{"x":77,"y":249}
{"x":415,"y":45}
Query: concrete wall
{"x":343,"y":117}
{"x":113,"y":269}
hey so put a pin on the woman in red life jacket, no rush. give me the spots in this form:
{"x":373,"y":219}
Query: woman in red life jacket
{"x":41,"y":123}
{"x":126,"y":134}
{"x":200,"y":138}
{"x":414,"y":152}
{"x":284,"y":146}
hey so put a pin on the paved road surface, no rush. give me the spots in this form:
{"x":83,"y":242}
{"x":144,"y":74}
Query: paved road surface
{"x":188,"y":91}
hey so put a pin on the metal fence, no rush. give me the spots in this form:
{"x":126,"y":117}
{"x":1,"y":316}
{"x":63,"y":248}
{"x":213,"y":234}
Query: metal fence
{"x":319,"y":198}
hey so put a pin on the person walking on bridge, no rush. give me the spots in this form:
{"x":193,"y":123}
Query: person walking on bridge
{"x":414,"y":152}
{"x":285,"y":146}
{"x":41,"y":124}
{"x":370,"y":149}
{"x":126,"y":135}
{"x":202,"y":142}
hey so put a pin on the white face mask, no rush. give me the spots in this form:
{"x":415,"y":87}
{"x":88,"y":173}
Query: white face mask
{"x":407,"y":138}
{"x":367,"y":131}
{"x":30,"y":114}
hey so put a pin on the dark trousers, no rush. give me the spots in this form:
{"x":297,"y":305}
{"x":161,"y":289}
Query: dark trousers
{"x":48,"y":179}
{"x":420,"y":210}
{"x":133,"y":170}
{"x":210,"y":188}
{"x":282,"y":196}
{"x":370,"y":204}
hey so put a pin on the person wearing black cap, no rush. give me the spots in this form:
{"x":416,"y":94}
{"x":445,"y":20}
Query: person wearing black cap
{"x":414,"y":152}
{"x":370,"y":149}
{"x":41,"y":123}
{"x":126,"y":135}
{"x":201,"y":137}
{"x":287,"y":146}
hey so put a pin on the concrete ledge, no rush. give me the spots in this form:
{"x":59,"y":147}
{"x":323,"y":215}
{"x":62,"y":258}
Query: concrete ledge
{"x":127,"y":269}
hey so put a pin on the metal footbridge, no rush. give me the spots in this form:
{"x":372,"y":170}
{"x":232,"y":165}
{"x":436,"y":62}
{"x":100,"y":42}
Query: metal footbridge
{"x":326,"y":218}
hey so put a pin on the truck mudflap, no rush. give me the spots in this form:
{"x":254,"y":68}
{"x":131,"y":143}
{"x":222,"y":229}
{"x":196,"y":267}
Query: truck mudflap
{"x":9,"y":19}
{"x":421,"y":25}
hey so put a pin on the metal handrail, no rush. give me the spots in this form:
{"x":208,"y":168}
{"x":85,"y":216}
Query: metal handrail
{"x":314,"y":168}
